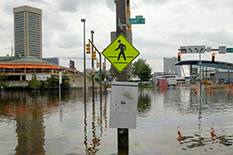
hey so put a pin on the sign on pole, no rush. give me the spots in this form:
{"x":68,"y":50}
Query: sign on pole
{"x":183,"y":49}
{"x":120,"y":53}
{"x":119,"y":24}
{"x":196,"y":49}
{"x":208,"y":49}
{"x":229,"y":50}
{"x":60,"y":77}
{"x":137,"y":20}
{"x":123,"y":105}
{"x":222,"y":49}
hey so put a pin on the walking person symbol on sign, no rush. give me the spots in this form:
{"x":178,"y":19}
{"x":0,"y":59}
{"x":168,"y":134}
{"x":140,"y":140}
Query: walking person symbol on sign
{"x":122,"y":47}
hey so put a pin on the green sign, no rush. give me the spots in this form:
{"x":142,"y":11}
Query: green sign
{"x":120,"y":53}
{"x":137,"y":20}
{"x":229,"y":50}
{"x":120,"y":25}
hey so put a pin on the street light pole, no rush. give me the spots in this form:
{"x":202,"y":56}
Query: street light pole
{"x":84,"y":56}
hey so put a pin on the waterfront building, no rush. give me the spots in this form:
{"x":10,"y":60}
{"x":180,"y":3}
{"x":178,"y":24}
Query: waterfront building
{"x":22,"y":68}
{"x":28,"y":31}
{"x":54,"y":60}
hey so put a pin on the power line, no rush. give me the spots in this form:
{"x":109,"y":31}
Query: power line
{"x":73,"y":57}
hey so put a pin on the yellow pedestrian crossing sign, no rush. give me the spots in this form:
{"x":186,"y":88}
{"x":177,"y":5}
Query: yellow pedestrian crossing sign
{"x":120,"y":53}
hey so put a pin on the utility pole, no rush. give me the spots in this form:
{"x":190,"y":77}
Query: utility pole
{"x":121,"y":21}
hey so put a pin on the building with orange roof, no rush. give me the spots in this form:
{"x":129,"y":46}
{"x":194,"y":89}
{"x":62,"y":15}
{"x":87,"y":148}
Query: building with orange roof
{"x":22,"y":68}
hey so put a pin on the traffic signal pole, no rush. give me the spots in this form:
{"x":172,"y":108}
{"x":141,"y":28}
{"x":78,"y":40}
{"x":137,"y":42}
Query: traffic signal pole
{"x":94,"y":47}
{"x":92,"y":66}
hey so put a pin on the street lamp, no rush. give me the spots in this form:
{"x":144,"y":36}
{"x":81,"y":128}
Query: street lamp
{"x":84,"y":57}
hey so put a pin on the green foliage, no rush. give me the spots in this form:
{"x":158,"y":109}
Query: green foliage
{"x":88,"y":76}
{"x":65,"y":81}
{"x":97,"y":78}
{"x":3,"y":78}
{"x":145,"y":86}
{"x":53,"y":81}
{"x":142,"y":70}
{"x":34,"y":83}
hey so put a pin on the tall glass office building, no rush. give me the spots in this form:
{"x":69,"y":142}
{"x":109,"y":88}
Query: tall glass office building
{"x":28,"y":31}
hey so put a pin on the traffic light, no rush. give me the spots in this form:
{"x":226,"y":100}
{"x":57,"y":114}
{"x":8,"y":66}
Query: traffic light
{"x":98,"y":64}
{"x":103,"y":67}
{"x":179,"y":54}
{"x":88,"y":48}
{"x":213,"y":57}
{"x":93,"y":55}
{"x":93,"y":71}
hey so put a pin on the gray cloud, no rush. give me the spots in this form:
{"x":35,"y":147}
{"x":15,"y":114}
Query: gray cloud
{"x":169,"y":25}
{"x":76,"y":5}
{"x":69,"y":5}
{"x":157,"y":2}
{"x":68,"y":41}
{"x":111,"y":4}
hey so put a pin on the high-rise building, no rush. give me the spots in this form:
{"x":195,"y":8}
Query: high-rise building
{"x":28,"y":31}
{"x":169,"y":67}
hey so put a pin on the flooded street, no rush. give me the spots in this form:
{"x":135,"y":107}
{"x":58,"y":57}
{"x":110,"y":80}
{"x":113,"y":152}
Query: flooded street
{"x":169,"y":122}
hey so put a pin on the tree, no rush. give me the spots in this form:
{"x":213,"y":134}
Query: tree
{"x":34,"y":83}
{"x":3,"y":78}
{"x":53,"y":81}
{"x":142,"y":70}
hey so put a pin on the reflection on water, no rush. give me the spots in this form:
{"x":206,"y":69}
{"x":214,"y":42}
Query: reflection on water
{"x":197,"y":140}
{"x":28,"y":108}
{"x":205,"y":104}
{"x":144,"y":103}
{"x":29,"y":129}
{"x":27,"y":111}
{"x":38,"y":123}
{"x":97,"y":127}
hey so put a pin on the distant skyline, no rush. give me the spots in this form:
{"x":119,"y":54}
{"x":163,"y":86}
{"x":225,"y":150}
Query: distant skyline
{"x":169,"y":24}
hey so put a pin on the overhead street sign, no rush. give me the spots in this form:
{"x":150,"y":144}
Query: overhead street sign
{"x":183,"y":49}
{"x":222,"y":50}
{"x":229,"y":50}
{"x":195,"y":49}
{"x":208,"y":49}
{"x":120,"y":53}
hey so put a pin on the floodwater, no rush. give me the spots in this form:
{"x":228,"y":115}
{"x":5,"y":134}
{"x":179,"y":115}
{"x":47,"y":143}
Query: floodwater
{"x":36,"y":123}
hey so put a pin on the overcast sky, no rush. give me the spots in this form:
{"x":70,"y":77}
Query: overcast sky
{"x":169,"y":25}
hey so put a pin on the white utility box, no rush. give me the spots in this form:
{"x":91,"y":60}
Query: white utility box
{"x":123,"y":105}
